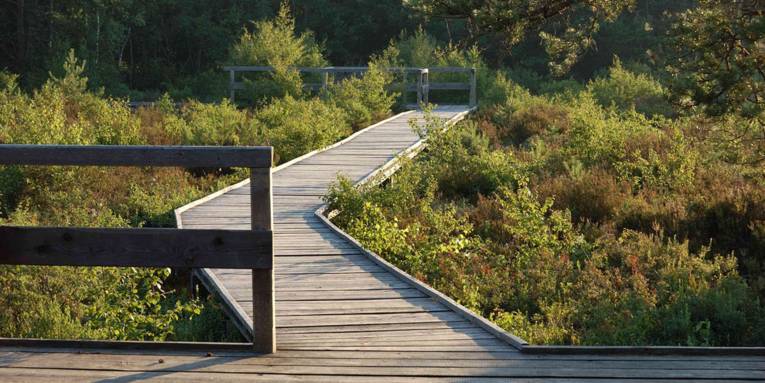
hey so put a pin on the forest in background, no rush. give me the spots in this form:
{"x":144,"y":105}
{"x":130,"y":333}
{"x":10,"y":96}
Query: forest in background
{"x":141,"y":50}
{"x":608,"y":191}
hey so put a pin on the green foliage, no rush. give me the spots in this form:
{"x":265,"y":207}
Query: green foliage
{"x":64,"y":112}
{"x":111,"y":303}
{"x":365,"y":99}
{"x":295,"y":127}
{"x":680,"y":297}
{"x":211,"y":124}
{"x":513,"y":20}
{"x":462,"y":165}
{"x":720,"y":62}
{"x":8,"y":81}
{"x":211,"y":324}
{"x":274,"y":43}
{"x":628,"y":91}
{"x":422,"y":50}
{"x":718,"y":68}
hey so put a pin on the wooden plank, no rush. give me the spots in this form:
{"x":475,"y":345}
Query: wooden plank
{"x":644,"y":350}
{"x":13,"y":375}
{"x":341,"y":294}
{"x":435,"y":334}
{"x":359,"y":306}
{"x":284,"y":311}
{"x":243,"y":351}
{"x":125,"y":155}
{"x":367,"y":319}
{"x":449,"y":86}
{"x":53,"y":246}
{"x":307,"y":275}
{"x":253,"y":365}
{"x":149,"y":362}
{"x":316,"y":252}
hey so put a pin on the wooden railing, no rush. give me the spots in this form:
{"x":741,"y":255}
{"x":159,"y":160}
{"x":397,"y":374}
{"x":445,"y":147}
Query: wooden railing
{"x":145,"y":247}
{"x":422,"y":85}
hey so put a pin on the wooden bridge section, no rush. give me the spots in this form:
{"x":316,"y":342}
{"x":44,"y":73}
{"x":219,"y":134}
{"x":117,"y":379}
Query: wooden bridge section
{"x":345,"y":315}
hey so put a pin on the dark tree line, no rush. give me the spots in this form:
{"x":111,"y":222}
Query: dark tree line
{"x":153,"y":44}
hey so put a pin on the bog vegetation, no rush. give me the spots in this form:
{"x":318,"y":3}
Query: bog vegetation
{"x":592,"y":214}
{"x":609,"y":196}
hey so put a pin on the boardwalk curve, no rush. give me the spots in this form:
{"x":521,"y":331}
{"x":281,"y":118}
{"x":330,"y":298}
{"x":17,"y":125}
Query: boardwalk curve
{"x":326,"y":286}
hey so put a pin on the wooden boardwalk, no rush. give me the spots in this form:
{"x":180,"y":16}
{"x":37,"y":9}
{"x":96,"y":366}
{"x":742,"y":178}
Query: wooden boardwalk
{"x":345,"y":316}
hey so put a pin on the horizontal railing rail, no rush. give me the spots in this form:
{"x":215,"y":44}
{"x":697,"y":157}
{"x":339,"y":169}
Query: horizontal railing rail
{"x":157,"y":247}
{"x":421,"y":87}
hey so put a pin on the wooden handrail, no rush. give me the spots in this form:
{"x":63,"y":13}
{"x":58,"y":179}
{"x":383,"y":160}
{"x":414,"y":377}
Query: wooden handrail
{"x":154,"y":247}
{"x":422,"y":88}
{"x":118,"y":155}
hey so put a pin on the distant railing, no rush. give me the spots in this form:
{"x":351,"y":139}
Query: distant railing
{"x":155,"y":247}
{"x":422,"y":86}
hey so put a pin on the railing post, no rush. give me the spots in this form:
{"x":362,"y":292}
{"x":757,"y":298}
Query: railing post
{"x":263,"y":306}
{"x":419,"y":88}
{"x":324,"y":79}
{"x":473,"y":95}
{"x":231,"y":82}
{"x":426,"y":86}
{"x":404,"y":88}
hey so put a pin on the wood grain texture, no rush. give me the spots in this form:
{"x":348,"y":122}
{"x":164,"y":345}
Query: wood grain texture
{"x":123,"y":155}
{"x":135,"y":247}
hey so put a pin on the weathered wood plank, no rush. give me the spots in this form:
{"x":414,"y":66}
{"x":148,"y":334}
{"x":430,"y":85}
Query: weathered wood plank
{"x":135,"y":247}
{"x":149,"y":362}
{"x":123,"y":155}
{"x":254,"y":365}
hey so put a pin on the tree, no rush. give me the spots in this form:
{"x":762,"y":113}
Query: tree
{"x":275,"y":43}
{"x":566,"y":27}
{"x":718,"y":69}
{"x":719,"y":62}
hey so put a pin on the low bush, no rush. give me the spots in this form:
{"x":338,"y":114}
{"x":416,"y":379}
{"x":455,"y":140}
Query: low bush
{"x":365,"y":99}
{"x":295,"y":127}
{"x":626,"y":90}
{"x":216,"y":124}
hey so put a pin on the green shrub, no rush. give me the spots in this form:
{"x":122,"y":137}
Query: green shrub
{"x":216,"y":124}
{"x":463,"y":166}
{"x":295,"y":127}
{"x":211,"y":324}
{"x":365,"y":99}
{"x":645,"y":289}
{"x":595,"y":195}
{"x":275,"y":43}
{"x":94,"y":303}
{"x":535,"y":119}
{"x":628,"y":91}
{"x":498,"y":90}
{"x":422,"y":50}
